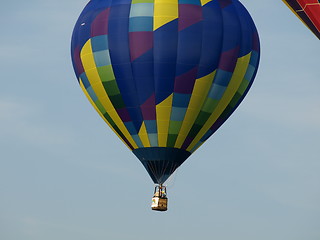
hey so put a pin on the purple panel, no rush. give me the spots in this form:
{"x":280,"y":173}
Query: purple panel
{"x":140,"y":43}
{"x":189,"y":14}
{"x":100,"y":25}
{"x":185,"y":82}
{"x":229,"y":59}
{"x":255,"y":42}
{"x":148,"y":109}
{"x":77,"y":61}
{"x":225,"y":3}
{"x":187,"y":142}
{"x":217,"y":124}
{"x":124,"y":114}
{"x":127,"y":142}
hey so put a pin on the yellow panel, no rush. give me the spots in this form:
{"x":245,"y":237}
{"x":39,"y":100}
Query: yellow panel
{"x":144,"y":136}
{"x":164,"y":12}
{"x":96,"y":84}
{"x":163,"y":126}
{"x":199,"y":94}
{"x":204,"y":2}
{"x":92,"y":75}
{"x":163,"y":112}
{"x":238,"y":75}
{"x":87,"y":56}
{"x":95,"y":107}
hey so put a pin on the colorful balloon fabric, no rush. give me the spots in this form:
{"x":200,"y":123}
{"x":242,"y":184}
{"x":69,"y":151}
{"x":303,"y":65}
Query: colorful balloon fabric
{"x":308,"y":11}
{"x":165,"y":74}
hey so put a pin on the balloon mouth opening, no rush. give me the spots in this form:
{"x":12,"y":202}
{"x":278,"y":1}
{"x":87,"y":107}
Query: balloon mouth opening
{"x":161,"y":162}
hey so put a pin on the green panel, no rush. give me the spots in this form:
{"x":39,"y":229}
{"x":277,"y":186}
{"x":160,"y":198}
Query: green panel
{"x":174,"y":127}
{"x":226,"y":112}
{"x":171,"y":141}
{"x":142,"y":1}
{"x":109,"y":119}
{"x":244,"y":85}
{"x":117,"y":101}
{"x":111,"y":88}
{"x":194,"y":130}
{"x":235,"y":100}
{"x":202,"y":118}
{"x":210,"y":105}
{"x":106,"y":73}
{"x":100,"y":107}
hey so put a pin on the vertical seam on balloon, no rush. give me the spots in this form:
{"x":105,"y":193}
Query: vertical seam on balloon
{"x":112,"y":4}
{"x":135,"y":86}
{"x":242,"y":97}
{"x":213,"y":81}
{"x":214,"y":77}
{"x":175,"y":75}
{"x":154,"y":78}
{"x":223,"y":103}
{"x":185,"y":114}
{"x":254,"y":30}
{"x":154,"y":84}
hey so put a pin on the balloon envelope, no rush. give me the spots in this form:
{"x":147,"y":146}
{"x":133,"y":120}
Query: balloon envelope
{"x":308,"y":11}
{"x":165,"y":74}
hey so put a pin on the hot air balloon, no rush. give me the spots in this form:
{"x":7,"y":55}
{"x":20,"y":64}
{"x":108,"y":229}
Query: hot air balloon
{"x":308,"y":11}
{"x":165,"y":74}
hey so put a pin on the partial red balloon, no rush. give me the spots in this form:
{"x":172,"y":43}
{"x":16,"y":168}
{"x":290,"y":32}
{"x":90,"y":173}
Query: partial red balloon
{"x":308,"y":11}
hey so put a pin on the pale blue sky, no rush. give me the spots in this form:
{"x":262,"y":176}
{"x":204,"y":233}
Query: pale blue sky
{"x":64,"y":175}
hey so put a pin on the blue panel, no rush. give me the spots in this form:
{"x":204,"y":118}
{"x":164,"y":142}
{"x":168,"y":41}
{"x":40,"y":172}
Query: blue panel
{"x":82,"y":31}
{"x":166,"y":43}
{"x":120,"y":59}
{"x":145,"y":89}
{"x":143,"y":76}
{"x":102,"y":58}
{"x":207,"y":135}
{"x":194,"y":2}
{"x":141,"y":24}
{"x":254,"y":60}
{"x":165,"y":57}
{"x":250,"y":72}
{"x":92,"y":94}
{"x":137,"y":140}
{"x":153,"y":138}
{"x":177,"y":114}
{"x":141,"y":9}
{"x":247,"y":28}
{"x":231,"y":28}
{"x":85,"y":80}
{"x":222,"y":78}
{"x":151,"y":126}
{"x":143,"y":70}
{"x":183,"y":68}
{"x":216,"y":92}
{"x":123,"y":71}
{"x":136,"y":116}
{"x":117,"y":2}
{"x":181,"y":100}
{"x":189,"y":45}
{"x":131,"y":128}
{"x":99,"y":43}
{"x":211,"y":40}
{"x":119,"y":40}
